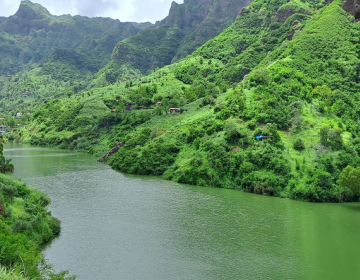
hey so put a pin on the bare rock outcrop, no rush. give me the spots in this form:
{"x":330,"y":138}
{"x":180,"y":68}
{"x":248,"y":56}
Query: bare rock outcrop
{"x":112,"y":151}
{"x":353,"y":7}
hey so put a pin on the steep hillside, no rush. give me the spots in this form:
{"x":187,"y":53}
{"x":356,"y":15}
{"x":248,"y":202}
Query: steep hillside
{"x":269,"y":106}
{"x":70,"y":50}
{"x":187,"y":27}
{"x":32,"y":34}
{"x":57,"y":55}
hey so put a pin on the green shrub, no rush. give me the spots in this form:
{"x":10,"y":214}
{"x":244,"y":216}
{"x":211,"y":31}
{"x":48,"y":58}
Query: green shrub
{"x":21,"y":226}
{"x":299,"y":144}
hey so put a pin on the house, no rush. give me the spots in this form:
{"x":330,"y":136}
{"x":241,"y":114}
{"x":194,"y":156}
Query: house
{"x":158,"y":103}
{"x":174,"y":110}
{"x":113,"y":110}
{"x":18,"y":115}
{"x":2,"y":129}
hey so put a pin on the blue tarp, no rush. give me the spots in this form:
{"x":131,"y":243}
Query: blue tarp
{"x":258,"y":137}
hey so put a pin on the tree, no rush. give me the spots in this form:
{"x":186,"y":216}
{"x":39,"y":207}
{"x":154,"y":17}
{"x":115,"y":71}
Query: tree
{"x":324,"y":135}
{"x":335,"y":138}
{"x":299,"y":144}
{"x":324,"y":93}
{"x":111,"y":77}
{"x":5,"y":165}
{"x":331,"y":137}
{"x":274,"y":133}
{"x":350,"y":178}
{"x":69,"y":94}
{"x":200,"y":91}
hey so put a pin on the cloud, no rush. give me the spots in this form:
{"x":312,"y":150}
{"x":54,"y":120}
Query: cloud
{"x":124,"y":10}
{"x":8,"y":7}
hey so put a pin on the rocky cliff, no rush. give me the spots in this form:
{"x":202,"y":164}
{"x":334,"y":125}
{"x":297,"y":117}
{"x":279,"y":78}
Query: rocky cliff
{"x":353,"y":7}
{"x":188,"y":26}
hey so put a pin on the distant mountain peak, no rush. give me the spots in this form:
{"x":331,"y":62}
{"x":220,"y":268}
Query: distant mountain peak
{"x":29,"y":16}
{"x":188,"y":26}
{"x":30,"y":10}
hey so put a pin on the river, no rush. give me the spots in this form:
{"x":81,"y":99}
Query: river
{"x":116,"y":226}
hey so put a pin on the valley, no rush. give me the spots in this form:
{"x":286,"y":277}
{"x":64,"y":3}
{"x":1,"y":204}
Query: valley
{"x":257,"y":97}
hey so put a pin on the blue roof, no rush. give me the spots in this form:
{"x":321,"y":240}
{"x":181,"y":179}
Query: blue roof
{"x":259,"y":137}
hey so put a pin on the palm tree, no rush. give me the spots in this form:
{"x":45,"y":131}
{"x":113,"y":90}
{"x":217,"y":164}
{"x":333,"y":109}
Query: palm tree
{"x":5,"y":165}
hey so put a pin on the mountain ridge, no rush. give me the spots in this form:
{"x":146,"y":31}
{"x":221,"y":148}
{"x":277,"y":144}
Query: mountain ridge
{"x":32,"y":33}
{"x":93,"y":40}
{"x":188,"y":26}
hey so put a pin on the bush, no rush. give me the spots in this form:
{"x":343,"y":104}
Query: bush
{"x":21,"y":226}
{"x":350,"y":178}
{"x":252,"y":124}
{"x":9,"y":191}
{"x":299,"y":144}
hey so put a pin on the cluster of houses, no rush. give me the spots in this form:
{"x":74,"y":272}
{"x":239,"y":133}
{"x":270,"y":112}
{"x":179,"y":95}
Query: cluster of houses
{"x":3,"y":127}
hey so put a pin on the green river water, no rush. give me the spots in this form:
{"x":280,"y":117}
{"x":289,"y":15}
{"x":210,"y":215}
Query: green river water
{"x":116,"y":226}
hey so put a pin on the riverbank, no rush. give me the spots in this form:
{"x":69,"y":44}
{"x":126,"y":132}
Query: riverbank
{"x":27,"y":227}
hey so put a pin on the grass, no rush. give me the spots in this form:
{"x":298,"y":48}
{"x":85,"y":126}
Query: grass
{"x":11,"y":274}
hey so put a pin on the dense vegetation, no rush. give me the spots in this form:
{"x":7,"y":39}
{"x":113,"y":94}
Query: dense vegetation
{"x":65,"y":53}
{"x":286,"y":72}
{"x":26,"y":228}
{"x":33,"y":34}
{"x":45,"y":56}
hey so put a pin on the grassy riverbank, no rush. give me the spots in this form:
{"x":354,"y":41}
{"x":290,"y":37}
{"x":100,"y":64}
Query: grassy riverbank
{"x":26,"y":228}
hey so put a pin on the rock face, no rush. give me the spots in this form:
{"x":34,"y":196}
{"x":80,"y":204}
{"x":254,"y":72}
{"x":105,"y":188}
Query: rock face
{"x":284,"y":13}
{"x":111,"y":152}
{"x":187,"y":27}
{"x":353,"y":7}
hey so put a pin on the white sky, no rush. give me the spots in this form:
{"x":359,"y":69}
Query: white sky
{"x":124,"y":10}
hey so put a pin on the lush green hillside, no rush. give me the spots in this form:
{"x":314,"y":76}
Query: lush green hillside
{"x":48,"y":56}
{"x":71,"y":49}
{"x":284,"y":72}
{"x":33,"y":34}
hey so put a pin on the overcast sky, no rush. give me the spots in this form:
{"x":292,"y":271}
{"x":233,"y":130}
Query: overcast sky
{"x":124,"y":10}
